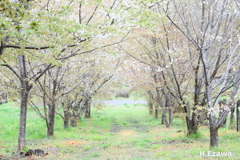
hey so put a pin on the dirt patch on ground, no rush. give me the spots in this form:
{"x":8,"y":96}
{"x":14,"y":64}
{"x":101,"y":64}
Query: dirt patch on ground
{"x":73,"y":143}
{"x":127,"y":133}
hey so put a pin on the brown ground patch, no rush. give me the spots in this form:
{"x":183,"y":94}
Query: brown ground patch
{"x":127,"y":133}
{"x":72,"y":142}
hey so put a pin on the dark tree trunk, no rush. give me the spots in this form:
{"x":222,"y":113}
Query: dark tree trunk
{"x":51,"y":118}
{"x":191,"y":126}
{"x":213,"y":137}
{"x":88,"y":112}
{"x":238,"y":116}
{"x":156,"y":112}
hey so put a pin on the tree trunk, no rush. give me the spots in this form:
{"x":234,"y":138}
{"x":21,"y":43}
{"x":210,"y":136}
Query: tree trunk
{"x":195,"y":122}
{"x":164,"y":116}
{"x":170,"y":117}
{"x":232,"y":115}
{"x":23,"y":116}
{"x":51,"y":117}
{"x":191,"y":126}
{"x":213,"y":137}
{"x":73,"y":122}
{"x":25,"y":89}
{"x":66,"y":119}
{"x":222,"y":105}
{"x":88,"y":109}
{"x":156,"y":112}
{"x":238,"y":115}
{"x":150,"y":105}
{"x":225,"y":121}
{"x":213,"y":130}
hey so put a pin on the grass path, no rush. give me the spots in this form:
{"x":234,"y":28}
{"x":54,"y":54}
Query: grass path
{"x":124,"y":132}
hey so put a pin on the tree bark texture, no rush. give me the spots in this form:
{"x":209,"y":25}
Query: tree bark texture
{"x":170,"y":116}
{"x":156,"y":112}
{"x":213,"y":137}
{"x":150,"y":105}
{"x":192,"y":126}
{"x":66,"y":119}
{"x":51,"y":118}
{"x":23,"y":117}
{"x":238,"y":116}
{"x":88,"y":109}
{"x":73,"y":122}
{"x":164,"y":117}
{"x":25,"y":89}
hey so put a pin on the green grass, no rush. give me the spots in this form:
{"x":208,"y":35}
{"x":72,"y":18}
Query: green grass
{"x":123,"y":132}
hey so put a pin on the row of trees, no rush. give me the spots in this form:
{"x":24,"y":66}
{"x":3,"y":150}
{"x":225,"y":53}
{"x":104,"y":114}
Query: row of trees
{"x":64,"y":52}
{"x":48,"y":46}
{"x":193,"y":59}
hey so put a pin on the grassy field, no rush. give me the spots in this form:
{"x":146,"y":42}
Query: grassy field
{"x":124,"y":132}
